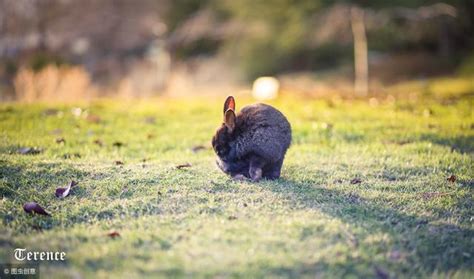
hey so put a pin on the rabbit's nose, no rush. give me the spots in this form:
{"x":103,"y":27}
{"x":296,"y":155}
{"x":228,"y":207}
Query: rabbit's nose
{"x":221,"y":165}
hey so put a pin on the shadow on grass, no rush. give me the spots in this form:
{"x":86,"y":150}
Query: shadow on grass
{"x":461,"y":143}
{"x":41,"y":175}
{"x":431,"y":247}
{"x":21,"y":183}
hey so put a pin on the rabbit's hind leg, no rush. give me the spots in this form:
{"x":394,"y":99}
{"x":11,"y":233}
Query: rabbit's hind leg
{"x":257,"y":164}
{"x":273,"y":171}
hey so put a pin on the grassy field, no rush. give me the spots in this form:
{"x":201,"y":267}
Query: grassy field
{"x":364,"y":189}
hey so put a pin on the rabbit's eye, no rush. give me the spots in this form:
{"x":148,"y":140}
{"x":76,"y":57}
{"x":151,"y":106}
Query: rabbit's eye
{"x":221,"y":151}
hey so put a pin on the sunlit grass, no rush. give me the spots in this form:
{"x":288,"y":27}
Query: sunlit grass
{"x":404,"y":219}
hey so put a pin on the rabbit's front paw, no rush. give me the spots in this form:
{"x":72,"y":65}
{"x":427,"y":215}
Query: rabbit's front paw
{"x":255,"y":174}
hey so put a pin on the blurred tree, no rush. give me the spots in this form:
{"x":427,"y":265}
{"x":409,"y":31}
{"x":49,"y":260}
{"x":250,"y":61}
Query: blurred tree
{"x":277,"y":32}
{"x":361,"y":60}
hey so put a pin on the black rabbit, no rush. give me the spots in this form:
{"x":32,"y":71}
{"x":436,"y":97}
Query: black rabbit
{"x":252,"y":143}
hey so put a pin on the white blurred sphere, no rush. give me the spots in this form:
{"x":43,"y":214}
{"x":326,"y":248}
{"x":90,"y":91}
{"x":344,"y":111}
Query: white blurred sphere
{"x":265,"y":88}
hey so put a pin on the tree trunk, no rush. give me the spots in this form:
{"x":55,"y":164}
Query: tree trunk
{"x":361,"y":64}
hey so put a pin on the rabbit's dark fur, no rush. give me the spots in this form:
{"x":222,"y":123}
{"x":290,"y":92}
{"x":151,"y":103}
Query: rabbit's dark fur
{"x":252,"y":143}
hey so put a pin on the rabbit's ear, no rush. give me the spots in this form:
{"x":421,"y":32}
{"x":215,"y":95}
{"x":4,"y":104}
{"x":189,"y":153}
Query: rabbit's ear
{"x":229,"y":104}
{"x":229,"y":120}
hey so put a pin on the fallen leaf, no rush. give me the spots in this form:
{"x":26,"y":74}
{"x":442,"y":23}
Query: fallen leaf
{"x":150,"y":136}
{"x":113,"y":234}
{"x":182,"y":166}
{"x":63,"y":192}
{"x":118,"y":144}
{"x":118,"y":163}
{"x":198,"y":148}
{"x":33,"y":207}
{"x":380,"y":273}
{"x":60,"y":140}
{"x":356,"y":181}
{"x":452,"y":178}
{"x":230,"y":218}
{"x":98,"y":142}
{"x":29,"y":150}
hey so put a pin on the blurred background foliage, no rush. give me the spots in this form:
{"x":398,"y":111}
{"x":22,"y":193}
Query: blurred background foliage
{"x":153,"y":46}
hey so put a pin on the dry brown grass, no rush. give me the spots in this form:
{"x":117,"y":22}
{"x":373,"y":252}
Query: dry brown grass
{"x":54,"y":84}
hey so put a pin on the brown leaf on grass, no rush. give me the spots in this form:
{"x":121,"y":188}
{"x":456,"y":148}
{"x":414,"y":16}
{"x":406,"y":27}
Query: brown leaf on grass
{"x":60,"y":140}
{"x":98,"y":142}
{"x":118,"y":163}
{"x":29,"y":150}
{"x":381,"y":273}
{"x":356,"y":181}
{"x":63,"y":192}
{"x":93,"y":118}
{"x":33,"y":207}
{"x":452,"y":178}
{"x":118,"y":144}
{"x":113,"y":234}
{"x":232,"y":217}
{"x":198,"y":148}
{"x":150,"y":136}
{"x":182,"y":166}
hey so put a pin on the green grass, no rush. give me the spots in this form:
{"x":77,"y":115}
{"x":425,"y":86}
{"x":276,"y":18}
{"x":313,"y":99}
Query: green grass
{"x":197,"y":222}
